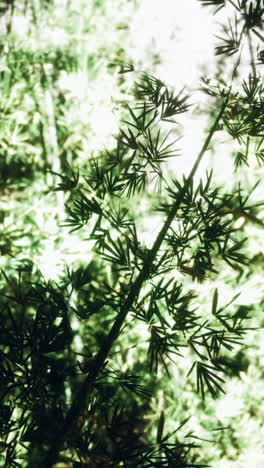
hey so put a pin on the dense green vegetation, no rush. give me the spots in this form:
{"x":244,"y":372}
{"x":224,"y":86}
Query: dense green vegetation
{"x":131,"y":271}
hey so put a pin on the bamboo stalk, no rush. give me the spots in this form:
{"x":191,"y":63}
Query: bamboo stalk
{"x":53,"y":147}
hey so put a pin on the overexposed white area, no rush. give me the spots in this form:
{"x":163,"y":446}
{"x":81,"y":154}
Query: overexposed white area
{"x":181,"y":32}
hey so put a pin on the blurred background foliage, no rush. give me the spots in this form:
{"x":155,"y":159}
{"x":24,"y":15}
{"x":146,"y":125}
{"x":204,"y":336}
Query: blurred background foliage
{"x":61,"y":104}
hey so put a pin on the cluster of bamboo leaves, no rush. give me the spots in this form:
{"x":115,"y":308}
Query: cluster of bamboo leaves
{"x":247,"y":21}
{"x":60,"y":405}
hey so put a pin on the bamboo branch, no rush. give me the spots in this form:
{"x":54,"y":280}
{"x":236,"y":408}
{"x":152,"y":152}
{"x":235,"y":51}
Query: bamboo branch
{"x":234,"y":5}
{"x":251,"y":52}
{"x":240,"y":213}
{"x":258,"y":34}
{"x":80,"y":399}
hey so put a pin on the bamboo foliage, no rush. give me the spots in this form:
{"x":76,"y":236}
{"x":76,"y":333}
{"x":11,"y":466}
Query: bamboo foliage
{"x":56,"y":408}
